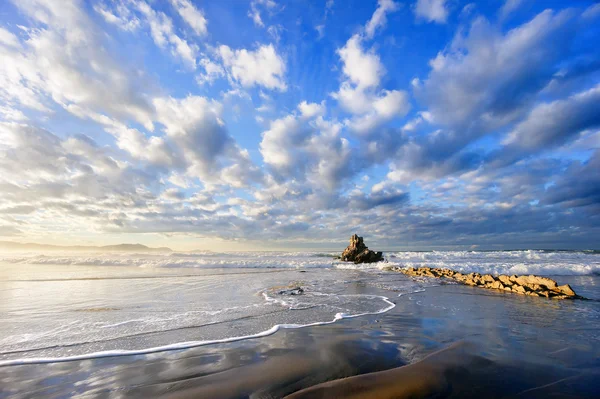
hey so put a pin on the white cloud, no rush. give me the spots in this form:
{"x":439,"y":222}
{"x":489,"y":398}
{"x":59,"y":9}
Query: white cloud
{"x":8,"y":38}
{"x":379,"y":18}
{"x":261,"y":67}
{"x":509,"y":6}
{"x":161,"y":30}
{"x":194,"y":124}
{"x":432,"y":10}
{"x":307,"y":151}
{"x":254,"y":12}
{"x":179,"y":180}
{"x":364,"y":69}
{"x":212,"y":71}
{"x":554,"y":123}
{"x":385,"y":107}
{"x":360,"y":94}
{"x":310,"y":110}
{"x":591,"y":12}
{"x":190,"y":14}
{"x":459,"y":89}
{"x":155,"y":150}
{"x":352,"y":99}
{"x":40,"y":166}
{"x":265,"y":108}
{"x":275,"y":32}
{"x":120,"y":15}
{"x":9,"y":113}
{"x":64,"y":62}
{"x":278,"y":142}
{"x":320,"y":31}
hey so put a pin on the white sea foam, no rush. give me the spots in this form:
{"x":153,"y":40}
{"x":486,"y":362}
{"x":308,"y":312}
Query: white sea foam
{"x":193,"y":344}
{"x":267,"y":260}
{"x":503,"y":262}
{"x":496,"y":262}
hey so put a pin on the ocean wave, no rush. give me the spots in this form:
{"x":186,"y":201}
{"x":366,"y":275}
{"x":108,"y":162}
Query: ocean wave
{"x":542,"y":262}
{"x":187,"y":261}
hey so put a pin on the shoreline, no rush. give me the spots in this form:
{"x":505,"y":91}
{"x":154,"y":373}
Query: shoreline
{"x":418,"y":326}
{"x":191,"y":344}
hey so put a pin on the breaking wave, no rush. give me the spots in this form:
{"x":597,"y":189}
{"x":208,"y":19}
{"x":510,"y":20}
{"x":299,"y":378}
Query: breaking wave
{"x":540,"y":262}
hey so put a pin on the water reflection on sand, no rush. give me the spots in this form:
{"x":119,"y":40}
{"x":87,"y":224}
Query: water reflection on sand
{"x":508,"y":346}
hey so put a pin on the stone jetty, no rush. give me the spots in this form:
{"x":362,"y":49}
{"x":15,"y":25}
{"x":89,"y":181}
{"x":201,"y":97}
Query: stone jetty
{"x":525,"y":285}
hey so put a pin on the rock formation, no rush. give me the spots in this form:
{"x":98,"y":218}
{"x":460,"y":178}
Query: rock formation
{"x":358,"y":252}
{"x":525,"y":285}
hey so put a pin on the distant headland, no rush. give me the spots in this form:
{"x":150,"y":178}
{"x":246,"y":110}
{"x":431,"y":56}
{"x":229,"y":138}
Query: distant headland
{"x":105,"y":248}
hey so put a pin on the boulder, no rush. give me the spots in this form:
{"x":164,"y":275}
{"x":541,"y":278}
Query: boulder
{"x":566,"y":290}
{"x":536,"y":280}
{"x":358,"y":252}
{"x":505,"y":280}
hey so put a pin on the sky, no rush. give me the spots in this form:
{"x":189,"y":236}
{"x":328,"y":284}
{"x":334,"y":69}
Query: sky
{"x":265,"y":124}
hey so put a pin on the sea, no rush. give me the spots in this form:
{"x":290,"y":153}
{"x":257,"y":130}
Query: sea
{"x":184,"y":324}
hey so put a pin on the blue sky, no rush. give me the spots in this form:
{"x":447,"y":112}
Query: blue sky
{"x":291,"y":124}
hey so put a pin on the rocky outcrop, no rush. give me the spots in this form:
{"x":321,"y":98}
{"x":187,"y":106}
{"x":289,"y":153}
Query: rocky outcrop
{"x":525,"y":285}
{"x":358,"y":252}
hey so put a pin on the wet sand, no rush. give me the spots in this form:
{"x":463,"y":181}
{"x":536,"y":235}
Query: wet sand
{"x":446,"y":342}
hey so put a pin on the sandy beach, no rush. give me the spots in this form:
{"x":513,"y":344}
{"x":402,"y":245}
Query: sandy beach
{"x":437,"y":339}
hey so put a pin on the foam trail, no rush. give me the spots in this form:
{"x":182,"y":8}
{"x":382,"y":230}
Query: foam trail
{"x":193,"y":344}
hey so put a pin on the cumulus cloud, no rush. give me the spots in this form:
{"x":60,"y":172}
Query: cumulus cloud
{"x":360,"y":95}
{"x":388,"y":105}
{"x":309,"y":151}
{"x":212,"y":71}
{"x":310,"y":110}
{"x":261,"y":67}
{"x":432,"y":10}
{"x":364,"y":69}
{"x":154,"y":150}
{"x":194,"y":124}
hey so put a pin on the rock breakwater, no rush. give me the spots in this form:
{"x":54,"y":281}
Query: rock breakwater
{"x":525,"y":285}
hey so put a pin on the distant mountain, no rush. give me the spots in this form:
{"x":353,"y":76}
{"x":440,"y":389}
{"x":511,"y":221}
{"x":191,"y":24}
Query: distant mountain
{"x":47,"y":247}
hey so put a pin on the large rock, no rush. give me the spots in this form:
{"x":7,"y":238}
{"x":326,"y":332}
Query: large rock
{"x":358,"y":252}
